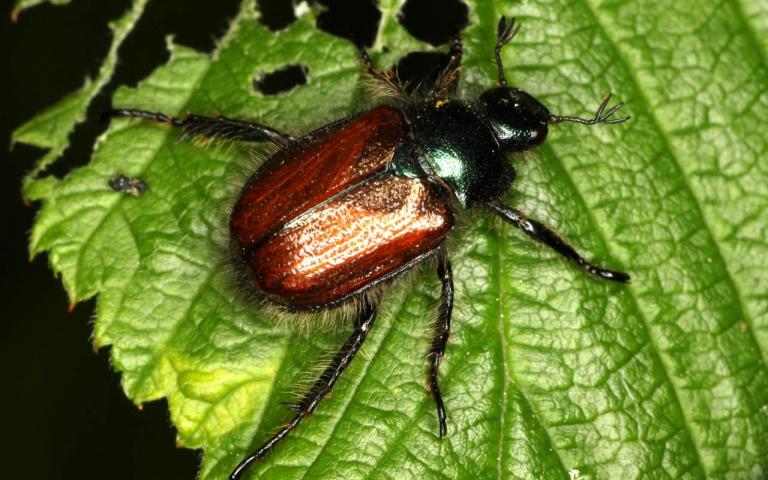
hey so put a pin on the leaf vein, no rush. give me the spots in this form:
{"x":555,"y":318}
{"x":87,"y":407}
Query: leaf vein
{"x":501,"y":328}
{"x":751,"y":35}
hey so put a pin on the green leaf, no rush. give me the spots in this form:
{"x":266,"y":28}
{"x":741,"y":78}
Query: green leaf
{"x":22,"y":5}
{"x":549,"y":373}
{"x":51,"y":128}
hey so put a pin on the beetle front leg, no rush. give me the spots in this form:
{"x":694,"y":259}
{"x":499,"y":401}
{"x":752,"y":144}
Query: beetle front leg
{"x":541,"y":233}
{"x":386,"y":82}
{"x":448,"y":81}
{"x":218,"y":127}
{"x":441,"y":334}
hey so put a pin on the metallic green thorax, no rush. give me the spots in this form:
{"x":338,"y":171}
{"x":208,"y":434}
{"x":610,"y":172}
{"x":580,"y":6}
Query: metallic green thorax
{"x":452,"y":142}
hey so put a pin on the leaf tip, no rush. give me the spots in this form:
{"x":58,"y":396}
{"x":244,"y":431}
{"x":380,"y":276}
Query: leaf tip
{"x":14,"y":16}
{"x":71,"y":307}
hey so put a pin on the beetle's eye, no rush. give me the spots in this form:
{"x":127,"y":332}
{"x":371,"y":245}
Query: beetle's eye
{"x":539,"y":134}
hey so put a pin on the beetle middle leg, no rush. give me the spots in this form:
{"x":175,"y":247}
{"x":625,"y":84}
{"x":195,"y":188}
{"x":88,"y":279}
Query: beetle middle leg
{"x":540,"y":232}
{"x":307,"y":405}
{"x":441,"y":333}
{"x":218,"y":127}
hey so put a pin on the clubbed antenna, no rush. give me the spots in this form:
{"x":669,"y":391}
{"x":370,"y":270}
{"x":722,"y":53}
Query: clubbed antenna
{"x":506,"y":31}
{"x":601,"y":116}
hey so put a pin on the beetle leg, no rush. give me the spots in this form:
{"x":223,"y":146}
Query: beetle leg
{"x":441,"y":333}
{"x":505,"y":31}
{"x":386,"y":83}
{"x":365,"y":59}
{"x":211,"y":127}
{"x":541,"y":233}
{"x":448,"y":80}
{"x":387,"y":77}
{"x":320,"y":388}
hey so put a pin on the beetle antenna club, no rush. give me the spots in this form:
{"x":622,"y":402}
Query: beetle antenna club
{"x":334,"y":216}
{"x":601,"y":116}
{"x":505,"y":32}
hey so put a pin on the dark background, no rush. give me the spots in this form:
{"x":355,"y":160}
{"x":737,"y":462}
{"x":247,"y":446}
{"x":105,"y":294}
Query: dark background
{"x":64,"y":415}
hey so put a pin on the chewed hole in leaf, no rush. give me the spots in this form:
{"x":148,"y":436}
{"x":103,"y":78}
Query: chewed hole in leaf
{"x":281,"y":80}
{"x":195,"y":25}
{"x":434,"y":21}
{"x":421,"y":68}
{"x":199,"y":25}
{"x":276,"y":14}
{"x":335,"y":16}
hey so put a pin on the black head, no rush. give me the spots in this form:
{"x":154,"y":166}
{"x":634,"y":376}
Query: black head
{"x":518,"y":120}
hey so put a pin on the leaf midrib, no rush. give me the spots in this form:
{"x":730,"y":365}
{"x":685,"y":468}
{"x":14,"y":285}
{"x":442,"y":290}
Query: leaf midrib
{"x":752,"y":37}
{"x":501,"y":327}
{"x":502,"y":330}
{"x":655,"y":350}
{"x":603,"y":238}
{"x":668,"y":147}
{"x":505,"y":351}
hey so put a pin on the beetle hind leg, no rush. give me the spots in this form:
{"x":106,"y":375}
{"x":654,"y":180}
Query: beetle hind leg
{"x":307,"y":405}
{"x":441,"y":333}
{"x":213,"y":128}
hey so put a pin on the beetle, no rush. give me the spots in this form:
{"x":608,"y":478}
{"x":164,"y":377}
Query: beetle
{"x":335,"y":215}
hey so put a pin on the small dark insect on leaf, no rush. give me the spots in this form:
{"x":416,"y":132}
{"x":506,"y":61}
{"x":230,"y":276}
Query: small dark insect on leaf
{"x":132,"y":186}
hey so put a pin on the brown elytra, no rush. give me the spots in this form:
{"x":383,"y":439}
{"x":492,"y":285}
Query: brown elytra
{"x":316,"y":224}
